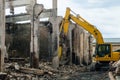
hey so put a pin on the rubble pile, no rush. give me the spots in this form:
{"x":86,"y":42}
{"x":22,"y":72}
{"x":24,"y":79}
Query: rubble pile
{"x":16,"y":71}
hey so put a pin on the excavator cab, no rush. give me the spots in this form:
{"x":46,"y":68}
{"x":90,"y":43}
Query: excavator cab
{"x":103,"y":50}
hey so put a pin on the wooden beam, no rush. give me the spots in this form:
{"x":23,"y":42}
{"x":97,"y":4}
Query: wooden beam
{"x":24,"y":16}
{"x":17,"y":3}
{"x":31,"y":71}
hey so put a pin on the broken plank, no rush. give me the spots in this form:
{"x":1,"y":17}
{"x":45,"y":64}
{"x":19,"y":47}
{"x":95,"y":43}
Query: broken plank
{"x":31,"y":71}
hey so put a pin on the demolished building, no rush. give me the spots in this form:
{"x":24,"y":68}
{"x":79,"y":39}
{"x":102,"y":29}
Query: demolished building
{"x":37,"y":39}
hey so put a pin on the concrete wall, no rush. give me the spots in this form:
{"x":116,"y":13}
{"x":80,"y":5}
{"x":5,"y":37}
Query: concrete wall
{"x":18,"y":40}
{"x":81,"y":45}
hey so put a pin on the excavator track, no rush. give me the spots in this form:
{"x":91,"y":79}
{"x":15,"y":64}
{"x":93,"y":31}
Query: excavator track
{"x":101,"y":66}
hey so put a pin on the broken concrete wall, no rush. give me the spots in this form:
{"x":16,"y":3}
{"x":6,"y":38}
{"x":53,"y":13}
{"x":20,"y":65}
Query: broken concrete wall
{"x":44,"y":41}
{"x":85,"y":47}
{"x":76,"y":44}
{"x":18,"y":40}
{"x":81,"y":46}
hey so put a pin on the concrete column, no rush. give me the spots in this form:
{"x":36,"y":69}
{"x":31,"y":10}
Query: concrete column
{"x":76,"y":44}
{"x":2,"y":34}
{"x":55,"y":39}
{"x":54,"y":5}
{"x":71,"y":27}
{"x":86,"y":50}
{"x":81,"y":44}
{"x":90,"y":48}
{"x":34,"y":10}
{"x":34,"y":56}
{"x":81,"y":49}
{"x":55,"y":35}
{"x":34,"y":44}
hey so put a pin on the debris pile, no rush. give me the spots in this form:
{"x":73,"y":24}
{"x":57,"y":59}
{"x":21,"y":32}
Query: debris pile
{"x":16,"y":71}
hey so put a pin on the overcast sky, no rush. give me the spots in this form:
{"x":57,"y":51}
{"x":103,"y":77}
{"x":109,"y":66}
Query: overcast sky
{"x":104,"y":14}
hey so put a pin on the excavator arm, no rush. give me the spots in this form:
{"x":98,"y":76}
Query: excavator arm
{"x":81,"y":22}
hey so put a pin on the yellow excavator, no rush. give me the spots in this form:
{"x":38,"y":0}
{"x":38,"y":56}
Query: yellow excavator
{"x":103,"y":51}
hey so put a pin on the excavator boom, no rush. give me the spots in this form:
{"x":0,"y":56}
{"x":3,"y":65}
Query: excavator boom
{"x":81,"y":22}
